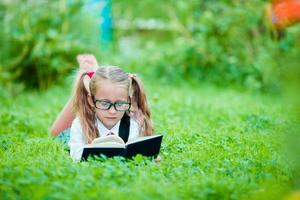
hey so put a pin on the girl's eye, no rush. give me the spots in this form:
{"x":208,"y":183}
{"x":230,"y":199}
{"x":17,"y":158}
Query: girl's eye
{"x":122,"y":106}
{"x":104,"y":103}
{"x":120,"y":103}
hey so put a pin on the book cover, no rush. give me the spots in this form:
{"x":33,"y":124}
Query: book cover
{"x":111,"y":146}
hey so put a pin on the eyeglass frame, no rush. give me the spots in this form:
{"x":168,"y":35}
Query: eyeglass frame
{"x":111,"y":104}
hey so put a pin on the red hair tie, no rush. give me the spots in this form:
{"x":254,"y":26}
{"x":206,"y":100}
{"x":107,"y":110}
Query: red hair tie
{"x":90,"y":74}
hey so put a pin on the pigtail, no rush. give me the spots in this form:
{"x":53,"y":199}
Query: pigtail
{"x":85,"y":110}
{"x":140,"y":105}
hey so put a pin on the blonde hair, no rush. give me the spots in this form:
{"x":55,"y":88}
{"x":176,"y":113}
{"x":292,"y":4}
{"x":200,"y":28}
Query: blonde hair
{"x":139,"y":107}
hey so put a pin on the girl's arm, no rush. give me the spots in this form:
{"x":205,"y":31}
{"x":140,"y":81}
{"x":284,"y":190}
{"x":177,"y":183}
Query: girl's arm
{"x":77,"y":140}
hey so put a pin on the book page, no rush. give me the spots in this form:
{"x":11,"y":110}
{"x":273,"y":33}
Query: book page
{"x":105,"y":145}
{"x":109,"y":138}
{"x":135,"y":140}
{"x":111,"y":141}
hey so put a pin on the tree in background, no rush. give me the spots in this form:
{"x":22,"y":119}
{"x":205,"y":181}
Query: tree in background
{"x":40,"y":40}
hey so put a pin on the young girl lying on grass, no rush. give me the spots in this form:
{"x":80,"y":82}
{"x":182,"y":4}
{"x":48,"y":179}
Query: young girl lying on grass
{"x":105,"y":97}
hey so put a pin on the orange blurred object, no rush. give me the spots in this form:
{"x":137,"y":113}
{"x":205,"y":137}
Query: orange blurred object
{"x":283,"y":13}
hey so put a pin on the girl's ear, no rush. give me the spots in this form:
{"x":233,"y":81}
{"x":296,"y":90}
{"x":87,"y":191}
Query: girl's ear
{"x":90,"y":100}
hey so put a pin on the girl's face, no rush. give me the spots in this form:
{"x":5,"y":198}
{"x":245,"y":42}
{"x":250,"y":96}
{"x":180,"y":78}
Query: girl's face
{"x":105,"y":94}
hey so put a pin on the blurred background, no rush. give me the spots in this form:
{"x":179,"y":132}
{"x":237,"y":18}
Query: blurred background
{"x":248,"y":44}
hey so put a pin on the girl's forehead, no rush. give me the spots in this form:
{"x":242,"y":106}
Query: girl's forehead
{"x":112,"y":91}
{"x":105,"y":83}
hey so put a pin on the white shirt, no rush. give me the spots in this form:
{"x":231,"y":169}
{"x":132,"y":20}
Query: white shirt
{"x":78,"y":138}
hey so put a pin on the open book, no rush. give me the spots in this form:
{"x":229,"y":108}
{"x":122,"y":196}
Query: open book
{"x":113,"y":145}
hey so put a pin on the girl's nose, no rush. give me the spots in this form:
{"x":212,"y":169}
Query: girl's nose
{"x":112,"y":110}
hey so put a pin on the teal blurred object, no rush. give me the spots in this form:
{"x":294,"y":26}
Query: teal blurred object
{"x":105,"y":25}
{"x":106,"y":22}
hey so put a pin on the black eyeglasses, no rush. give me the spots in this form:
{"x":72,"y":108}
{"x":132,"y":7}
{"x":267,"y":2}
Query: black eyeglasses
{"x":106,"y":105}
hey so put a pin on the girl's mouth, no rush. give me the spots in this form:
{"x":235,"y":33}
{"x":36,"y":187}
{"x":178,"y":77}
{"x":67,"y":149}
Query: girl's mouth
{"x":111,"y":118}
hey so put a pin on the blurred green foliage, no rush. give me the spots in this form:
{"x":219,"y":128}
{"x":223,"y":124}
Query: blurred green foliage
{"x":40,"y":40}
{"x":218,"y":144}
{"x":223,"y":42}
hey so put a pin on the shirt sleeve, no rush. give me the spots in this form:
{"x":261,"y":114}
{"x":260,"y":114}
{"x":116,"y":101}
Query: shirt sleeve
{"x":133,"y":130}
{"x":77,"y":140}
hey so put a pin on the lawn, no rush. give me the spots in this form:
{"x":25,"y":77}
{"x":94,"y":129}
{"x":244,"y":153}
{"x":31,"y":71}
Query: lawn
{"x":218,"y":144}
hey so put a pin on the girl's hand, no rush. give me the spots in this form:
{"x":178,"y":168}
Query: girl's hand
{"x":157,"y":159}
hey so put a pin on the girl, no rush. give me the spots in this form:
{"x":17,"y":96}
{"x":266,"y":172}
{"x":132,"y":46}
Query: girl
{"x":113,"y":102}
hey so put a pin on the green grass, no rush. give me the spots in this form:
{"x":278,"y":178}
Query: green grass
{"x":218,"y":144}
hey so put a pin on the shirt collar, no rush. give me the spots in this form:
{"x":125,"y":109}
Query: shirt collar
{"x":104,"y":131}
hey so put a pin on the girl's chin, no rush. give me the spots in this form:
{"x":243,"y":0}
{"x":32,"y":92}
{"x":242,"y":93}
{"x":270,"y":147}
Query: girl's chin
{"x":110,"y":123}
{"x":111,"y":120}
